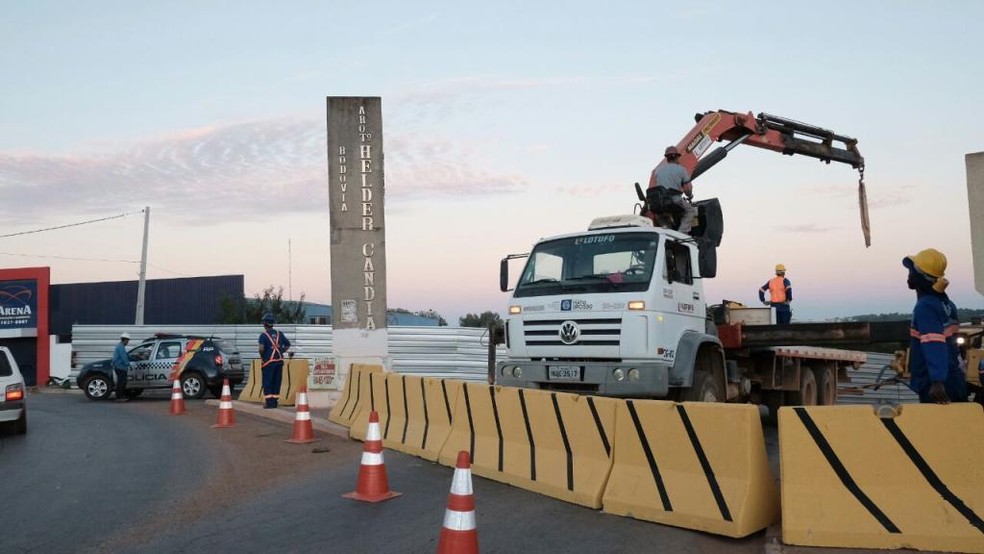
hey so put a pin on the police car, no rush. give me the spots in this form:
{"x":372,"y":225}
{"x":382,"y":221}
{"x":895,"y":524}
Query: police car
{"x":201,"y":364}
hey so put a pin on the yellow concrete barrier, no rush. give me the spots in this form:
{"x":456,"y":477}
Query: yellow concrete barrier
{"x":421,"y":414}
{"x":356,"y":389}
{"x":853,"y":479}
{"x":696,"y":465}
{"x":295,"y":374}
{"x":555,"y":444}
{"x":375,"y":397}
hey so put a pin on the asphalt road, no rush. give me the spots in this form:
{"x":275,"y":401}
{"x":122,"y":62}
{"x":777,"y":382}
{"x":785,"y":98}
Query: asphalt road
{"x":105,"y":477}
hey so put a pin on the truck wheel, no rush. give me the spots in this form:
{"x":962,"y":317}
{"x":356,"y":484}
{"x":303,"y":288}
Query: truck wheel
{"x":807,"y":393}
{"x":704,"y":389}
{"x":826,"y":386}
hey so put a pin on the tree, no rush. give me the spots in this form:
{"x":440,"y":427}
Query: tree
{"x":481,"y":320}
{"x":441,"y":322}
{"x":242,"y":310}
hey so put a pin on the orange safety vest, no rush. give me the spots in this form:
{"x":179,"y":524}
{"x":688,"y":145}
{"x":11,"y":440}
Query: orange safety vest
{"x":276,"y":355}
{"x":777,"y":289}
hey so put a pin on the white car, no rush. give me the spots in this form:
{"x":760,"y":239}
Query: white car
{"x":13,"y":393}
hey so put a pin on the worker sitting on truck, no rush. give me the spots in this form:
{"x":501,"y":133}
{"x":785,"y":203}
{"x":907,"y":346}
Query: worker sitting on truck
{"x":780,"y":295}
{"x":674,"y":178}
{"x":933,"y":352}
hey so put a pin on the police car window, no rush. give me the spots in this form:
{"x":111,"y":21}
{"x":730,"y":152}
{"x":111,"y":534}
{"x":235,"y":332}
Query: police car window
{"x":168,"y":350}
{"x":141,"y":353}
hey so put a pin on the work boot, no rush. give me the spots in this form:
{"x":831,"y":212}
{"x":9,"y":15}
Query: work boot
{"x":124,"y":399}
{"x":267,"y":404}
{"x":274,"y":402}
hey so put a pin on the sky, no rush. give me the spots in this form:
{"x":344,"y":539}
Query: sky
{"x":503,"y":123}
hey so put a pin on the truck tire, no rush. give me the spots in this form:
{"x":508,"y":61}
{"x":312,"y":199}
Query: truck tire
{"x":705,"y":388}
{"x":807,"y":393}
{"x":708,"y":378}
{"x":826,"y":379}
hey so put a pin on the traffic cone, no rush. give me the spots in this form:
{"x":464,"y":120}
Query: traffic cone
{"x":303,"y":431}
{"x":459,"y":535}
{"x":177,"y":399}
{"x":372,"y":485}
{"x":227,"y":416}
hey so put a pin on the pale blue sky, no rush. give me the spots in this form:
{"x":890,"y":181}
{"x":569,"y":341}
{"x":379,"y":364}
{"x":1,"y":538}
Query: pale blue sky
{"x":503,"y":122}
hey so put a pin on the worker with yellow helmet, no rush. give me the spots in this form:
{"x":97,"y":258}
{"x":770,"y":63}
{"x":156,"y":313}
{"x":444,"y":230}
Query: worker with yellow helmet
{"x":780,"y":295}
{"x":934,"y":362}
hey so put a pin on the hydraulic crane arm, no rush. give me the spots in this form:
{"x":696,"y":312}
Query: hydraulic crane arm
{"x":771,"y":133}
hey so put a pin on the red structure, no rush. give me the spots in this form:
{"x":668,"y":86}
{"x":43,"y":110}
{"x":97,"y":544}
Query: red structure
{"x":24,"y":320}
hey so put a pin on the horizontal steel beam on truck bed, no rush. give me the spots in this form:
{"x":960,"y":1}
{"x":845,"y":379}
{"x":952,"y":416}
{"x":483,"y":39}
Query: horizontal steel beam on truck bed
{"x":813,"y":334}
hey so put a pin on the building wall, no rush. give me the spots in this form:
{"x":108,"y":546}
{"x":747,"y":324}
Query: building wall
{"x":189,"y":300}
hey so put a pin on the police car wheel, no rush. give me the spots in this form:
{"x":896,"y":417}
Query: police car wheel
{"x":97,"y":387}
{"x":193,"y":386}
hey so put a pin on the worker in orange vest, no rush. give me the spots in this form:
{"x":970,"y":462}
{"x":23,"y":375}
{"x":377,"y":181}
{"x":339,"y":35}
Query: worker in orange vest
{"x":780,"y":295}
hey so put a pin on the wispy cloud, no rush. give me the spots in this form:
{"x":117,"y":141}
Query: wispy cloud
{"x":806,"y":228}
{"x":234,"y":169}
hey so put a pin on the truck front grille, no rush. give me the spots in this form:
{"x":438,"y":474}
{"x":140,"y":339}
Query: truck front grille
{"x":592,"y":332}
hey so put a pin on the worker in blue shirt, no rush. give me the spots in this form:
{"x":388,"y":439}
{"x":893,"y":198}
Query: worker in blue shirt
{"x":121,"y":366}
{"x":780,"y":295}
{"x":273,"y":345}
{"x":934,"y":357}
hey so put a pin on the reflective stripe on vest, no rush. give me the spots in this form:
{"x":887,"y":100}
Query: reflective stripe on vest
{"x":275,"y":356}
{"x":777,"y":289}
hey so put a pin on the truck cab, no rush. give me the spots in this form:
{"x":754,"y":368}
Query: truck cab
{"x":618,"y":310}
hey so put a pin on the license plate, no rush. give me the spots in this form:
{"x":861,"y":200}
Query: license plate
{"x":564,"y":372}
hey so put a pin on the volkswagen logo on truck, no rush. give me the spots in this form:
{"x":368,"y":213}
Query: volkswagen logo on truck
{"x":569,"y":332}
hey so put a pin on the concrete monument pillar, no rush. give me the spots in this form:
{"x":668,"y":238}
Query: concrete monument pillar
{"x":975,"y":200}
{"x":358,"y":239}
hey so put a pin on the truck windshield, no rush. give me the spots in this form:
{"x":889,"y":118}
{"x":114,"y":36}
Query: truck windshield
{"x":612,"y":262}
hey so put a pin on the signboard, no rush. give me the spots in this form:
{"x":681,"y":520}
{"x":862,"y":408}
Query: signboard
{"x":19,"y":304}
{"x":323,"y":373}
{"x":355,"y":198}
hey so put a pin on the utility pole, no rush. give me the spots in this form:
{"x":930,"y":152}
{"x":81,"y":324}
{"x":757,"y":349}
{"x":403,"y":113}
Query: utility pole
{"x":142,"y":284}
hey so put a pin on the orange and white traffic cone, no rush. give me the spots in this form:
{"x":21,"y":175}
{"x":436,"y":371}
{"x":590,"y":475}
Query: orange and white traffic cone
{"x":459,"y":535}
{"x":303,"y":430}
{"x":177,"y":399}
{"x":227,"y":416}
{"x":372,"y":485}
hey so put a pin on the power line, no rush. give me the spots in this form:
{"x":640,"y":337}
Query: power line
{"x":124,"y":214}
{"x":71,"y":258}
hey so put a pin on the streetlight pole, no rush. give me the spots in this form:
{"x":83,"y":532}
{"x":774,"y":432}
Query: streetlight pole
{"x":142,"y":284}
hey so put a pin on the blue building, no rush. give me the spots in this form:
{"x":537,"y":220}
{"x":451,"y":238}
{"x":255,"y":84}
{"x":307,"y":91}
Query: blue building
{"x":320,"y":314}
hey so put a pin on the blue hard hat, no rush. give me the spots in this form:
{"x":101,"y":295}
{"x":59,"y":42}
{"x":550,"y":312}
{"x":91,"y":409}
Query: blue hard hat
{"x":268,"y":319}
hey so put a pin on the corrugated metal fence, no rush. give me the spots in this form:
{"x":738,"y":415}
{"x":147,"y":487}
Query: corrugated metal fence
{"x":458,"y":352}
{"x":867,"y":374}
{"x":455,"y":352}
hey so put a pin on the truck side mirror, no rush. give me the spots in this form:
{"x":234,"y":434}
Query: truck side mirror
{"x":504,"y":275}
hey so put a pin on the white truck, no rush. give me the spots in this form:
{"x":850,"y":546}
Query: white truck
{"x":620,"y":310}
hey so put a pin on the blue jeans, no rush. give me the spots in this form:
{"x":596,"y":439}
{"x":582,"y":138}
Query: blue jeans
{"x":272,"y":375}
{"x":784,"y":315}
{"x":120,"y":382}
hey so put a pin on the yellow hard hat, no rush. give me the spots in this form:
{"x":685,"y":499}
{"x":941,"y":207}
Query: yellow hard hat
{"x":930,"y":261}
{"x":780,"y":267}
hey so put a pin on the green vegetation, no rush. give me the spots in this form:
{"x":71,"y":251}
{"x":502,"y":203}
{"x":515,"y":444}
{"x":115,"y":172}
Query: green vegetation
{"x":234,"y":311}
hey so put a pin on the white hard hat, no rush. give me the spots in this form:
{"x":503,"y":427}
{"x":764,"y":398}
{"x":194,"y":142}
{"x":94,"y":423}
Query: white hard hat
{"x":125,"y":336}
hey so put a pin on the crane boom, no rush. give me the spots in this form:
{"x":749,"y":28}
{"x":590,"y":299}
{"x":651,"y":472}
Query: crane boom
{"x":770,"y":132}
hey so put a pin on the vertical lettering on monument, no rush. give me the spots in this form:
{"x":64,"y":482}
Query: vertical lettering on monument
{"x":368,"y":248}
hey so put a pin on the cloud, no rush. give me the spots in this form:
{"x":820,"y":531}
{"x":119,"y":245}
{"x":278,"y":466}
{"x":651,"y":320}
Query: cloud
{"x":808,"y":228}
{"x":239,"y":170}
